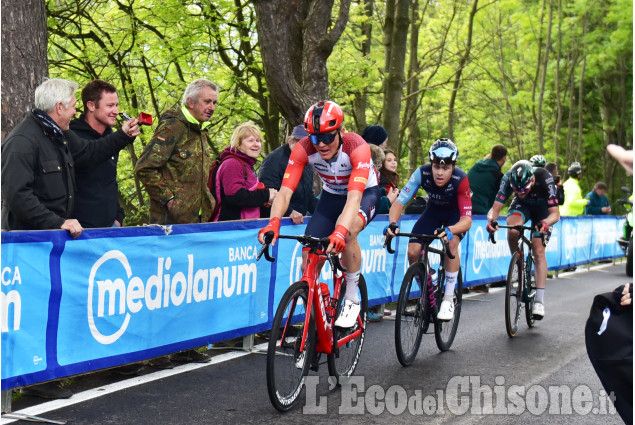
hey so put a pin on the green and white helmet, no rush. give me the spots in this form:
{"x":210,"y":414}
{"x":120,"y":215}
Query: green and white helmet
{"x":522,"y":176}
{"x":538,"y":161}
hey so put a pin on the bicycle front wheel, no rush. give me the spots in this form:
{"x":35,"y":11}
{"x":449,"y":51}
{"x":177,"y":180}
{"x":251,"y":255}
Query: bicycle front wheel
{"x":444,"y":332}
{"x":287,"y":365}
{"x":530,"y":282}
{"x":513,"y":294}
{"x":344,"y":361}
{"x":412,"y":312}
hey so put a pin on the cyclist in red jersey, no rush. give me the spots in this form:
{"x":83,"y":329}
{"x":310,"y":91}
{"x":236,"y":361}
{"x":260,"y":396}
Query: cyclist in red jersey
{"x":349,"y":197}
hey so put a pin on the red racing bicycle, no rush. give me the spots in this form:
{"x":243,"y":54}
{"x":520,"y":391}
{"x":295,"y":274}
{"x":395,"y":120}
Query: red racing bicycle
{"x":303,"y":329}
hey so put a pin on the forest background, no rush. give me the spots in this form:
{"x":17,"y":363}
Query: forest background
{"x":550,"y":77}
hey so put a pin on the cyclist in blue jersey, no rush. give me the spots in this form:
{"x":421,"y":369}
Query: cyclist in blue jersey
{"x":447,"y":214}
{"x":535,"y":199}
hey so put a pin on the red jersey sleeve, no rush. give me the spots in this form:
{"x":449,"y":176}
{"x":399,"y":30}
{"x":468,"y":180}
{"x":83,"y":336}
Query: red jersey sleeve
{"x":361,"y":162}
{"x":297,"y":161}
{"x":464,"y":200}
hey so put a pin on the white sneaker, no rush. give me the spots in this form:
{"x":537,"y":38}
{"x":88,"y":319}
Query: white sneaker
{"x":538,"y":311}
{"x":348,"y":316}
{"x":299,"y":363}
{"x":446,"y":312}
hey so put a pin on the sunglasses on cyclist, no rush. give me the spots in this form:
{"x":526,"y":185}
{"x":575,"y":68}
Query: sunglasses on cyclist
{"x":523,"y":190}
{"x":326,"y":138}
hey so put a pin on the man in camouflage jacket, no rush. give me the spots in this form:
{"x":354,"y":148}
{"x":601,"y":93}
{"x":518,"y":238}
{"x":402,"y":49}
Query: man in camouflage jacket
{"x":174,"y":166}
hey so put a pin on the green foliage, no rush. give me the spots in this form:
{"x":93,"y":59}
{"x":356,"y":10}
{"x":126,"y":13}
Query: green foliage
{"x":151,"y":51}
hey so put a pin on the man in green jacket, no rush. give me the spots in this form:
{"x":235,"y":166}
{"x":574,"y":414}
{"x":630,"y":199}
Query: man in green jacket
{"x":485,"y":177}
{"x":174,"y":166}
{"x":574,"y":202}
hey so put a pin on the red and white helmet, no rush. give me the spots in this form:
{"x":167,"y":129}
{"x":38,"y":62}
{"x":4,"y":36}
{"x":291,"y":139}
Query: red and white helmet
{"x":323,"y":117}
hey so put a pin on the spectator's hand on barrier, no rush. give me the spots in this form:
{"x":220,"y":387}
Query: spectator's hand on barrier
{"x":627,"y":298}
{"x":131,"y":127}
{"x":392,"y":195}
{"x":73,"y":227}
{"x":296,"y":217}
{"x":492,"y":225}
{"x":169,"y":204}
{"x":337,"y":239}
{"x":606,"y":210}
{"x":274,"y":226}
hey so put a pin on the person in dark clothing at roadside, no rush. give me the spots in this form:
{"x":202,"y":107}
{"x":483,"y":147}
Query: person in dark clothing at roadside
{"x":271,"y":172}
{"x":598,"y":202}
{"x":485,"y":177}
{"x":97,"y":194}
{"x":39,"y":159}
{"x":552,"y":167}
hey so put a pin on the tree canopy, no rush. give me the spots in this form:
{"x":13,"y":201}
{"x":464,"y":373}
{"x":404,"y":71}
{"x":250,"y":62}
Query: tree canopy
{"x":550,"y":77}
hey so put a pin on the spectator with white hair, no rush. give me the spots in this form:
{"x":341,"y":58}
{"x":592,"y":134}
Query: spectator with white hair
{"x":39,"y":159}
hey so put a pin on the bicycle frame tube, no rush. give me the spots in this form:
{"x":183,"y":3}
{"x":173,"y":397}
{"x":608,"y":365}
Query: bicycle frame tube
{"x":323,"y":326}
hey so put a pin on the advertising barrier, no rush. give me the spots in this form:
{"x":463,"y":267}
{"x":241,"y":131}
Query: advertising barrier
{"x":120,"y":295}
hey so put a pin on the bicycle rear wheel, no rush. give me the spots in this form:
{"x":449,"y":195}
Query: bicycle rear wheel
{"x":531,"y":291}
{"x":286,"y":364}
{"x":412,"y":312}
{"x":344,"y":362}
{"x":513,"y":294}
{"x":444,"y":332}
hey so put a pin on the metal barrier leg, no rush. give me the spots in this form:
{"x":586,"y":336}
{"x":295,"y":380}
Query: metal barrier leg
{"x":6,"y":401}
{"x":248,"y":342}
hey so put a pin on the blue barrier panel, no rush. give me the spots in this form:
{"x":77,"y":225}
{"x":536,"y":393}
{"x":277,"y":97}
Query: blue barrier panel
{"x":24,"y":305}
{"x":119,"y":295}
{"x":606,"y":230}
{"x":486,"y":262}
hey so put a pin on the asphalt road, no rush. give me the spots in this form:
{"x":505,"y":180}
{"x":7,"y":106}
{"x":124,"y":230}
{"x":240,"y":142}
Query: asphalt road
{"x":542,"y":376}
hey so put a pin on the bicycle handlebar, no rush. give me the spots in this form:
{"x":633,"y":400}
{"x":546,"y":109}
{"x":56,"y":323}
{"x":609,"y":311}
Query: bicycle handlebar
{"x":423,"y":238}
{"x":305,"y":240}
{"x":519,"y":227}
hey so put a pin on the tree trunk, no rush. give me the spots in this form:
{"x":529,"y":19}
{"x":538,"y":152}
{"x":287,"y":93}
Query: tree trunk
{"x":296,"y":39}
{"x":462,"y":63}
{"x":395,"y":78}
{"x":578,"y":153}
{"x":558,"y":124}
{"x":410,"y":115}
{"x":543,"y":78}
{"x":24,"y":60}
{"x":360,"y":100}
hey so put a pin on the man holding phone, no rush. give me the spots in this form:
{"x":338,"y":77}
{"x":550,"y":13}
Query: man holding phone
{"x":97,"y":194}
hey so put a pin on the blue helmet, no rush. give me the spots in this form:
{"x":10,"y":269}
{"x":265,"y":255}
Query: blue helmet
{"x":443,"y":151}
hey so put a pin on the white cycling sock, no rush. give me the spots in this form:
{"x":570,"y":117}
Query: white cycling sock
{"x":540,"y":295}
{"x":450,"y":283}
{"x":351,"y":286}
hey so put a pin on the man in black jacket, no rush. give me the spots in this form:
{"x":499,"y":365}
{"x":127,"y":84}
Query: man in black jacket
{"x":39,"y":159}
{"x":97,"y":193}
{"x":271,"y":172}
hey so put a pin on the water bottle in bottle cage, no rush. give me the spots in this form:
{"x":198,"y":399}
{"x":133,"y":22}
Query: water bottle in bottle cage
{"x":326,"y":298}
